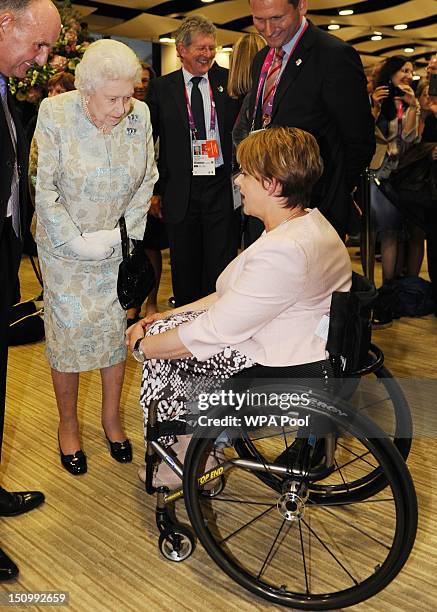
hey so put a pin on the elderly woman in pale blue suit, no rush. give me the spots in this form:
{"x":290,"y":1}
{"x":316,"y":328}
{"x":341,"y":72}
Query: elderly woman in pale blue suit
{"x":96,"y":163}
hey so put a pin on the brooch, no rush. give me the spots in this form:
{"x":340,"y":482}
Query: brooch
{"x":220,"y":88}
{"x":132,"y":118}
{"x":298,"y":62}
{"x":131,"y":131}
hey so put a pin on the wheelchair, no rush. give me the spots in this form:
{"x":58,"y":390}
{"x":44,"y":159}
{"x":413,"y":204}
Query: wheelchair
{"x":317,"y":512}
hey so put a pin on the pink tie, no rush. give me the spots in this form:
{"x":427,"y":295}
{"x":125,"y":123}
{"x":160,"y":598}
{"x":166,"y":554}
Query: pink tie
{"x":271,"y":80}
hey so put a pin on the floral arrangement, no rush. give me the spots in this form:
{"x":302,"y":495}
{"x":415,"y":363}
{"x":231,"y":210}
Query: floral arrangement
{"x":64,"y":57}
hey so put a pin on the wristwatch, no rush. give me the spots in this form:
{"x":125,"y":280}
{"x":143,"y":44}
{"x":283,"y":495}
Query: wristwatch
{"x":137,"y":353}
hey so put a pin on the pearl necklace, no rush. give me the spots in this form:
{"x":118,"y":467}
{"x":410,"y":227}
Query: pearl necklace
{"x":104,"y":129}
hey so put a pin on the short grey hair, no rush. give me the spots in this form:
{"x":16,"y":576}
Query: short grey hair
{"x":197,"y":24}
{"x":14,"y":6}
{"x":106,"y":60}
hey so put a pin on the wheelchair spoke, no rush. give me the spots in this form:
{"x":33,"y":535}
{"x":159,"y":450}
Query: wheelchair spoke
{"x":356,"y":458}
{"x":341,"y":474}
{"x":351,"y":503}
{"x":353,"y":526}
{"x":239,"y":501}
{"x":270,"y":556}
{"x":330,"y":552}
{"x":256,"y":518}
{"x":286,"y":447}
{"x":304,"y":560}
{"x":373,"y":404}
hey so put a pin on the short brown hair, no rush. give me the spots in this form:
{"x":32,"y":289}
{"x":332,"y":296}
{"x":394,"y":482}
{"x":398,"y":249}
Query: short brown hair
{"x":289,"y":155}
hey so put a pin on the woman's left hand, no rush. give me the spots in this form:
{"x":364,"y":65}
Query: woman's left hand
{"x":138,"y":330}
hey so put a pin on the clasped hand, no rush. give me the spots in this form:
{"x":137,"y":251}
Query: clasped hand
{"x":138,"y":330}
{"x":95,"y":245}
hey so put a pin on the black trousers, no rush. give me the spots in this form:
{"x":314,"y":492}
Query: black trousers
{"x":431,"y":248}
{"x":206,"y":240}
{"x":10,"y":253}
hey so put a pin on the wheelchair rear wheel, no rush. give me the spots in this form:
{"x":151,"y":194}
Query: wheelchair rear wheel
{"x":299,"y":544}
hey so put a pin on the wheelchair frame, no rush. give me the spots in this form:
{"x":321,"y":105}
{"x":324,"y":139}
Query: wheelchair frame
{"x":298,"y":484}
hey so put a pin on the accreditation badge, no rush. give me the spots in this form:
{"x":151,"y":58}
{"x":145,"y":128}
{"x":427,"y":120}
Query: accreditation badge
{"x":203,"y":162}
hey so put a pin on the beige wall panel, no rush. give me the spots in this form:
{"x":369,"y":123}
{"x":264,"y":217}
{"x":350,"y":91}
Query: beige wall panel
{"x":145,"y":27}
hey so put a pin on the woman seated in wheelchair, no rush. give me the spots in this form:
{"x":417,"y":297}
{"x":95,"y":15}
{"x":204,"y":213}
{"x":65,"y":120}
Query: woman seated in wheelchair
{"x":269,"y":301}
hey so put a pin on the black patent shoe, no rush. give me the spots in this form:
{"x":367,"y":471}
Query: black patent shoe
{"x":75,"y":464}
{"x":8,"y":569}
{"x":120,"y":451}
{"x":19,"y":502}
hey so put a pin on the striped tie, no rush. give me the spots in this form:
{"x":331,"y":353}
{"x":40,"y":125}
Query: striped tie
{"x":272,"y":77}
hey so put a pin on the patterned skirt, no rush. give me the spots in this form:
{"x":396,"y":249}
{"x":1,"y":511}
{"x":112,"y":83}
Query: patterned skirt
{"x":175,"y":381}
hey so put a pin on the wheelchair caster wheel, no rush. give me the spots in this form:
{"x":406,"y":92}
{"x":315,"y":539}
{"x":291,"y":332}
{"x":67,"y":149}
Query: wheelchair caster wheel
{"x":218,"y":487}
{"x":176,"y":543}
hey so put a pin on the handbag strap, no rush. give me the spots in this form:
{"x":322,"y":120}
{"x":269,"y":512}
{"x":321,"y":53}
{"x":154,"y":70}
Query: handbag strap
{"x":124,"y":239}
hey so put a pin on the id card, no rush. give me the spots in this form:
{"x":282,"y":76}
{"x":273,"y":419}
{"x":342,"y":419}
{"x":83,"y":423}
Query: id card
{"x":323,"y":328}
{"x":203,"y":157}
{"x":236,"y":193}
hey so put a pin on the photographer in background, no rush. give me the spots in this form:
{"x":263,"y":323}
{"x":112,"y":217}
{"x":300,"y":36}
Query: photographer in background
{"x":396,"y":114}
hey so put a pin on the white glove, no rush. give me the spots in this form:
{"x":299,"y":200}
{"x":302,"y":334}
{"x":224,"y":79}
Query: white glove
{"x":88,"y":249}
{"x":107,"y":238}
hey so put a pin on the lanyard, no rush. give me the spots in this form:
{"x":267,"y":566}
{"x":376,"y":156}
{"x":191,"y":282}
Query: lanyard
{"x":266,"y":68}
{"x":190,"y":112}
{"x":399,"y":116}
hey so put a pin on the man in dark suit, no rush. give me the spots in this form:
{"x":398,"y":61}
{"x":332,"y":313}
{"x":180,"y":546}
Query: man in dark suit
{"x":318,"y":85}
{"x":189,"y":109}
{"x":28,"y":29}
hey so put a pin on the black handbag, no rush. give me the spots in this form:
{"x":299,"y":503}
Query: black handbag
{"x":26,"y":323}
{"x":136,"y":277}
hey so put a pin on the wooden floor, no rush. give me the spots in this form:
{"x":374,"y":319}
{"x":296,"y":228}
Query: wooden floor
{"x":95,"y":536}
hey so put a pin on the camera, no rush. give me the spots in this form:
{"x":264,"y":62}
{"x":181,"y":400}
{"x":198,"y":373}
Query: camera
{"x":395,"y":92}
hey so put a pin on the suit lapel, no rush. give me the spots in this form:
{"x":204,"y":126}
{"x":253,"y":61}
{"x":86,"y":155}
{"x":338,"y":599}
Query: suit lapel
{"x":295,"y":65}
{"x":7,"y":154}
{"x":177,"y":84}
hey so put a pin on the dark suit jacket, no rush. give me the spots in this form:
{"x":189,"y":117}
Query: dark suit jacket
{"x":168,"y":110}
{"x":323,"y":91}
{"x":7,"y":161}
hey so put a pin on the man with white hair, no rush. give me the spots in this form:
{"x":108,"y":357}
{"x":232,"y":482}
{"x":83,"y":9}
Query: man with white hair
{"x":193,"y":117}
{"x":28,"y":30}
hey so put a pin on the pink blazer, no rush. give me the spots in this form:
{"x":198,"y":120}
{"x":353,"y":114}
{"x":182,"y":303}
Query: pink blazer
{"x":272,"y":297}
